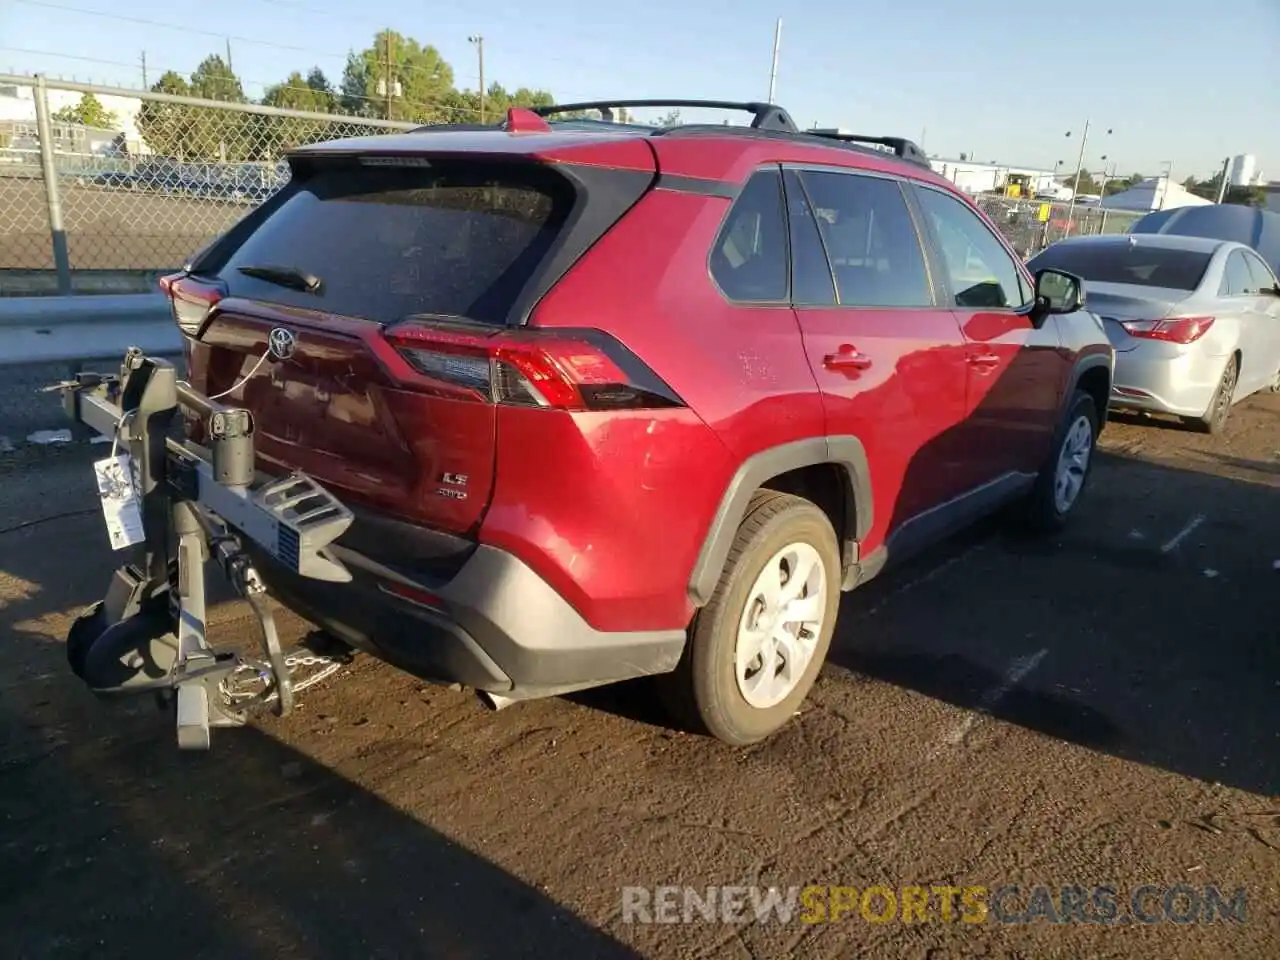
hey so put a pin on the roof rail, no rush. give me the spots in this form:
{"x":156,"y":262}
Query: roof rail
{"x":900,"y":146}
{"x":765,"y":116}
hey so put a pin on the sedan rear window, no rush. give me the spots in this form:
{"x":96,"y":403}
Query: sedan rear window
{"x":388,"y":241}
{"x":1144,"y":266}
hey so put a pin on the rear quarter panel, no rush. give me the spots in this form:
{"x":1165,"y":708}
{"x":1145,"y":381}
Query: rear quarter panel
{"x":615,"y":516}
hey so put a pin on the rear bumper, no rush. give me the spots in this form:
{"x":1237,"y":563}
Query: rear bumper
{"x":495,"y":626}
{"x":1182,"y":384}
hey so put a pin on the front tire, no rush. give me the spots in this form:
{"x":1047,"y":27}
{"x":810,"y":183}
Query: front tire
{"x":1063,"y":477}
{"x":755,"y":650}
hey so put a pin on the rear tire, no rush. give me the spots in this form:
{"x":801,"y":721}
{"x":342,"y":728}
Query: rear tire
{"x":1215,"y":418}
{"x":1065,"y":474}
{"x":755,"y":650}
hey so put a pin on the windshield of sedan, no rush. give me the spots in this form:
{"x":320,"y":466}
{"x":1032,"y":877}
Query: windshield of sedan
{"x":1144,"y":266}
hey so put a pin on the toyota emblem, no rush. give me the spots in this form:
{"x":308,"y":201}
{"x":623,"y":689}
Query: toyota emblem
{"x":281,"y":343}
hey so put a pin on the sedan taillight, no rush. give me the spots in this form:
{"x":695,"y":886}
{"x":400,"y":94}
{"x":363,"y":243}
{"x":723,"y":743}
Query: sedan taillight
{"x":1172,"y":329}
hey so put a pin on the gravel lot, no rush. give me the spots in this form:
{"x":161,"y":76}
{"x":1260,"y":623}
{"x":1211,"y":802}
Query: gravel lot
{"x":1101,"y":710}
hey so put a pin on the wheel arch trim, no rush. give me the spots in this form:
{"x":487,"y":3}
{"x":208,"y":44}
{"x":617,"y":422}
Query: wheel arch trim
{"x":846,"y":452}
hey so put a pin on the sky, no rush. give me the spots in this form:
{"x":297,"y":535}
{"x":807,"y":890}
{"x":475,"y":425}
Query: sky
{"x":1180,"y":85}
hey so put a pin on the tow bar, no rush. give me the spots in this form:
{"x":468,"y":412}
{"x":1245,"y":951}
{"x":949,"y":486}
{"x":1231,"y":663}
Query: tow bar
{"x":180,"y":505}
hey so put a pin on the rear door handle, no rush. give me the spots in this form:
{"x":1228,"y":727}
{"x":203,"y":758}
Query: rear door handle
{"x":984,"y":359}
{"x":847,"y":358}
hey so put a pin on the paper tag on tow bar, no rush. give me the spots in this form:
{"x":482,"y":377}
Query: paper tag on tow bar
{"x":121,"y":507}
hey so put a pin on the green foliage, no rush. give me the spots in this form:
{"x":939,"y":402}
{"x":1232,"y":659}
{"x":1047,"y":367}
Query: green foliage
{"x":1208,"y":189}
{"x":395,"y":77}
{"x":88,"y":112}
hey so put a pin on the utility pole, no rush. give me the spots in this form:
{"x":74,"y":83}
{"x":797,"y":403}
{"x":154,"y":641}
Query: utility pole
{"x":387,"y":80}
{"x":479,"y":42}
{"x":144,"y":70}
{"x":1222,"y":187}
{"x":1167,"y":167}
{"x":773,"y":73}
{"x":1102,"y":196}
{"x":229,"y":55}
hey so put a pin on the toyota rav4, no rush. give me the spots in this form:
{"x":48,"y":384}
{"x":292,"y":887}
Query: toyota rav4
{"x":608,"y":401}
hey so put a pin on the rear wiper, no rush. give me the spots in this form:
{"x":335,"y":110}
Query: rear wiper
{"x":290,"y":277}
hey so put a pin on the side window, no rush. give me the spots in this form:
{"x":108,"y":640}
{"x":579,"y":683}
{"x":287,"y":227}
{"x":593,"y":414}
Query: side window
{"x":870,"y":239}
{"x":1262,"y":275}
{"x":811,"y":282}
{"x":1237,"y":281}
{"x":749,"y":257}
{"x":981,"y":271}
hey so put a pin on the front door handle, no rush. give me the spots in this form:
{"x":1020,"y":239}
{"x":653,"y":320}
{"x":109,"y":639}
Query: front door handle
{"x":848,"y":357}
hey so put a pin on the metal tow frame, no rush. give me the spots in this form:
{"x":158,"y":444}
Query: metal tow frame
{"x":198,"y":503}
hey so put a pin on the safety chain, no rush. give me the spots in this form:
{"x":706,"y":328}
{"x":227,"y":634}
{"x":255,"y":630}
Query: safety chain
{"x":234,"y":688}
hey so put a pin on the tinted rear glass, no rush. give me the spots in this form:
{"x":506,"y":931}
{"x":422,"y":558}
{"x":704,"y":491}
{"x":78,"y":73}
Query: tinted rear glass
{"x":387,"y":242}
{"x":1121,"y":263}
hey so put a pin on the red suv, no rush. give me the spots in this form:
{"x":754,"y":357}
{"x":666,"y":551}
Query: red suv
{"x":612,"y":401}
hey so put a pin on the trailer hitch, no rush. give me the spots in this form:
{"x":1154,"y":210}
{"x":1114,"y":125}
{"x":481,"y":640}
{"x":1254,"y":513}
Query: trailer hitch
{"x":197,"y":506}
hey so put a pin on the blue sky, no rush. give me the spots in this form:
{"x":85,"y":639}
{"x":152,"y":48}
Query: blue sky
{"x":1175,"y":81}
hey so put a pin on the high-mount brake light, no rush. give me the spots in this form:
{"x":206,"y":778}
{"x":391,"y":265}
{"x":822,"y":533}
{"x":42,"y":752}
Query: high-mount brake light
{"x":1181,"y":330}
{"x":191,"y":300}
{"x":555,"y":369}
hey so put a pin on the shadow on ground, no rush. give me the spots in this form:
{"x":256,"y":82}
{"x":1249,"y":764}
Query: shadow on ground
{"x":1166,"y":655}
{"x":252,"y":850}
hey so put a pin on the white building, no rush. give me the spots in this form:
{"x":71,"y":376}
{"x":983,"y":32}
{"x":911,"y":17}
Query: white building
{"x":18,"y":114}
{"x":973,"y":177}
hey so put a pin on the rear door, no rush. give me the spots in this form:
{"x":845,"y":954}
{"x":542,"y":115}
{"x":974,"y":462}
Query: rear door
{"x":452,"y":242}
{"x":1268,"y":310}
{"x":888,"y":358}
{"x":1242,"y":302}
{"x":1016,"y":372}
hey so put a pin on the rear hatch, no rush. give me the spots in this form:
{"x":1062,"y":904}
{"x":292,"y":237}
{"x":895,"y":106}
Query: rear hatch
{"x":383,"y":277}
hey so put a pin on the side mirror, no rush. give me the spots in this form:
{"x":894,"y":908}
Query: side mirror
{"x":1056,"y":292}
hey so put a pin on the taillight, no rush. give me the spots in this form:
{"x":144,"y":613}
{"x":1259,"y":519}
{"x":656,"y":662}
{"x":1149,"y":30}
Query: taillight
{"x":191,"y":299}
{"x":559,"y":369}
{"x":1172,"y":329}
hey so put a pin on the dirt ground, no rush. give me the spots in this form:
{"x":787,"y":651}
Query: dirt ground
{"x":1100,"y":710}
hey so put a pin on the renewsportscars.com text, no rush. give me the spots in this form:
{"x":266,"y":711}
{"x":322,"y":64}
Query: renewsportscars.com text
{"x":1010,"y":903}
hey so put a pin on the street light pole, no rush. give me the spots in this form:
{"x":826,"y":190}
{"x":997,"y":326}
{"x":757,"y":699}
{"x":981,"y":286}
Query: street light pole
{"x":479,"y":42}
{"x":1075,"y":188}
{"x":773,"y":73}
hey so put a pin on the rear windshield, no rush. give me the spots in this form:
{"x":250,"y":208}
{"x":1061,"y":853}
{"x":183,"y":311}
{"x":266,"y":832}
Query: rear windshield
{"x":1143,"y":266}
{"x":387,"y":242}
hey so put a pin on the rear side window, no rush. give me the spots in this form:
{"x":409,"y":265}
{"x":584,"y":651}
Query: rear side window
{"x":870,"y":239}
{"x":388,"y":242}
{"x":1261,"y":273}
{"x":1238,"y":281}
{"x":749,"y":258}
{"x":1144,"y":266}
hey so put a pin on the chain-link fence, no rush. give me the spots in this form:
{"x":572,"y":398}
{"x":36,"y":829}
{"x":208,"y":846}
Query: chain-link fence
{"x":180,"y":171}
{"x":1031,"y":225}
{"x":144,"y":198}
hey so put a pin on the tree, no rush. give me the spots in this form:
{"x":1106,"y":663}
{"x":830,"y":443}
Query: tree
{"x":214,"y":80}
{"x":166,"y":127}
{"x":1087,"y":184}
{"x":398,"y":79}
{"x":89,"y":112}
{"x":1254,"y":196}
